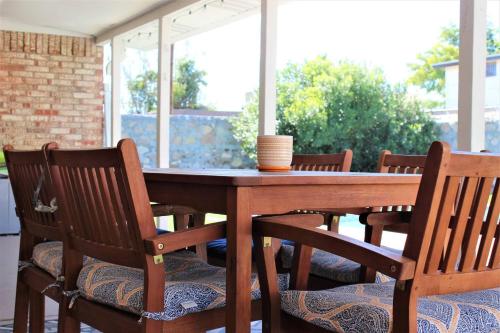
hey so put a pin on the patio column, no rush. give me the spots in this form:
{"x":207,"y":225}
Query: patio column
{"x":164,"y":88}
{"x":117,"y":55}
{"x":472,"y":75}
{"x":268,"y":48}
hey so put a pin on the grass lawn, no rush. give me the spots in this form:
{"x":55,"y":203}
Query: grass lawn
{"x":3,"y":169}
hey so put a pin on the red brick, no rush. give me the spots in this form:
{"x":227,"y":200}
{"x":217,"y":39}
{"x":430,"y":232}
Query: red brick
{"x":12,"y":67}
{"x":51,"y":89}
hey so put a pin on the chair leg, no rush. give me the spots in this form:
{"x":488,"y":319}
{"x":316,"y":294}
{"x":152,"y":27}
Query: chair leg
{"x":181,"y":222}
{"x":332,"y":222}
{"x":404,"y":308}
{"x":201,"y":249}
{"x":66,"y":323}
{"x":21,"y":307}
{"x":373,"y":235}
{"x":37,"y":311}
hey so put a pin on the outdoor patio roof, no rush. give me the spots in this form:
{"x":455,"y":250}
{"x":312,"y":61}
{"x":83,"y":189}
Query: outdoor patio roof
{"x":197,"y":18}
{"x":80,"y":18}
{"x":94,"y":18}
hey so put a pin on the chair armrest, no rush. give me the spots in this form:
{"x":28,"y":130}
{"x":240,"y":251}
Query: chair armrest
{"x":309,"y":220}
{"x":385,"y":261}
{"x":166,"y":243}
{"x":164,"y":210}
{"x":385,"y":218}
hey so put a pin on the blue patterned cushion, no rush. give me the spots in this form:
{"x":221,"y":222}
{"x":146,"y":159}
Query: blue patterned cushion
{"x":48,"y":256}
{"x":218,"y":247}
{"x":330,"y":266}
{"x":368,"y":308}
{"x":191,"y":285}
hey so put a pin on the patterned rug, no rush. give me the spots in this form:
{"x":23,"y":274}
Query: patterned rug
{"x":51,"y":327}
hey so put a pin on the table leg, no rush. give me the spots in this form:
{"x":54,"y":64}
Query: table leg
{"x":238,"y":260}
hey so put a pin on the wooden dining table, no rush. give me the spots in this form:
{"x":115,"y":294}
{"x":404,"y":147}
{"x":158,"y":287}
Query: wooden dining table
{"x":241,"y":194}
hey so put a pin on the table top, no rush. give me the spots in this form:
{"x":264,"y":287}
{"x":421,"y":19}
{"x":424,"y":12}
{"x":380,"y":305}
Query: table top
{"x":246,"y":177}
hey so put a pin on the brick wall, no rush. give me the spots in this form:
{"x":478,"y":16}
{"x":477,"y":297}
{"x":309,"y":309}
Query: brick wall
{"x":50,"y":90}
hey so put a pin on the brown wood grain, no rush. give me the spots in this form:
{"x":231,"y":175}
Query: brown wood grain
{"x":457,"y":208}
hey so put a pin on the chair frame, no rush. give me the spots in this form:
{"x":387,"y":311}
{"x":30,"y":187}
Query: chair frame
{"x":25,"y":168}
{"x":125,"y":195}
{"x":427,"y":266}
{"x":340,"y":162}
{"x":378,"y":219}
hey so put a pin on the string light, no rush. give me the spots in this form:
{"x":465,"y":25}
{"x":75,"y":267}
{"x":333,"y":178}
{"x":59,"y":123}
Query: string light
{"x":196,"y":10}
{"x":189,"y":12}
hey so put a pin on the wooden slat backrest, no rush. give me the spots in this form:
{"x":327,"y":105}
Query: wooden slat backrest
{"x":462,"y":188}
{"x":25,"y":169}
{"x":105,"y":208}
{"x":323,"y":162}
{"x":400,"y":164}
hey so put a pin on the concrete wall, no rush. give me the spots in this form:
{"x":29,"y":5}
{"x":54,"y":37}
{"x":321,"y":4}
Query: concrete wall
{"x":196,"y":141}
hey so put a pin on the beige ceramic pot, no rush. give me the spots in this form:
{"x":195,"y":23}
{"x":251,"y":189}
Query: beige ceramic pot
{"x":274,"y":152}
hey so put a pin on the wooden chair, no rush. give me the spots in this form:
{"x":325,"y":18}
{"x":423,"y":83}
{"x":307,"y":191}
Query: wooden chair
{"x":40,"y":239}
{"x":140,"y":281}
{"x":325,"y":162}
{"x":340,"y":162}
{"x":329,"y":270}
{"x":442,"y":283}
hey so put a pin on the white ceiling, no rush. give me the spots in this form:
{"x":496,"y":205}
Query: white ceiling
{"x":71,"y":17}
{"x":93,"y":17}
{"x":191,"y":20}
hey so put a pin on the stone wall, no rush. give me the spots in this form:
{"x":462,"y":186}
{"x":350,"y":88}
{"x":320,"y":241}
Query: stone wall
{"x":50,"y":90}
{"x":492,"y":137}
{"x":196,"y":141}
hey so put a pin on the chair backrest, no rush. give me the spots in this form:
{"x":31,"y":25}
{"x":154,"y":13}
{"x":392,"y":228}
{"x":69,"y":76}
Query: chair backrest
{"x":460,"y":192}
{"x":323,"y":162}
{"x":27,"y":173}
{"x":104,"y":205}
{"x":401,"y":164}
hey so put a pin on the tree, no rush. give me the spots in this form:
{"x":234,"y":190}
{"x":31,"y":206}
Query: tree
{"x":143,"y":93}
{"x":432,"y":79}
{"x":187,"y":82}
{"x":186,"y":88}
{"x":328,"y":108}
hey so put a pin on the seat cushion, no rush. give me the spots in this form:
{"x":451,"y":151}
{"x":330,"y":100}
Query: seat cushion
{"x":218,"y":248}
{"x":368,"y":308}
{"x":330,"y":266}
{"x":48,"y":256}
{"x":191,"y":285}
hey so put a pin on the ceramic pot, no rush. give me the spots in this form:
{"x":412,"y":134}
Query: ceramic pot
{"x":274,"y":152}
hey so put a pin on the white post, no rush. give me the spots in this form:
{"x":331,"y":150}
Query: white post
{"x":117,"y":55}
{"x":268,"y":48}
{"x":472,"y":75}
{"x":164,"y":86}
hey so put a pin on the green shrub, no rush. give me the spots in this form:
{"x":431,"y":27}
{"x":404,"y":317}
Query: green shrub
{"x":2,"y":159}
{"x":328,"y":108}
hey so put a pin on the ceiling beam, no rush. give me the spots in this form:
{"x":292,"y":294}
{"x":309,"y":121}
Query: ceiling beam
{"x":154,"y":14}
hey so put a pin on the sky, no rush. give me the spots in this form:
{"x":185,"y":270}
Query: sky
{"x":386,"y":34}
